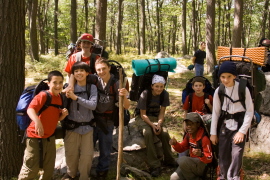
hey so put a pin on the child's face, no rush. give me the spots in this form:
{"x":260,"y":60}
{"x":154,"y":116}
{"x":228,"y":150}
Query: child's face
{"x":56,"y":85}
{"x":80,"y":75}
{"x":227,"y":79}
{"x":103,"y":70}
{"x":192,"y":127}
{"x":157,"y":88}
{"x":86,"y":45}
{"x":198,"y":87}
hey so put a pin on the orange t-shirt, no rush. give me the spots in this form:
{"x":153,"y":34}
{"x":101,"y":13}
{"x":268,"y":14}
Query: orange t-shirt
{"x":73,"y":59}
{"x":49,"y":117}
{"x":197,"y":103}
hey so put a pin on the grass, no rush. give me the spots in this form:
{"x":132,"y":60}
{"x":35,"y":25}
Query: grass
{"x":256,"y":165}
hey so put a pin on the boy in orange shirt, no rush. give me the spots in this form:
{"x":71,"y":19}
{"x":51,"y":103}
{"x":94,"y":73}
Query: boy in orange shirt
{"x":40,"y":133}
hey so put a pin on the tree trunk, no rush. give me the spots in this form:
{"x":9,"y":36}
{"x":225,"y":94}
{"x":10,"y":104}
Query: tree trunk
{"x":12,"y":59}
{"x":86,"y":15}
{"x":184,"y":27}
{"x":263,"y":24}
{"x":42,"y":21}
{"x":56,"y":51}
{"x":238,"y":23}
{"x":174,"y":30}
{"x":32,"y":9}
{"x":142,"y":23}
{"x":210,"y":35}
{"x":119,"y":27}
{"x":138,"y":27}
{"x":101,"y":17}
{"x":73,"y":26}
{"x":158,"y":27}
{"x":194,"y":26}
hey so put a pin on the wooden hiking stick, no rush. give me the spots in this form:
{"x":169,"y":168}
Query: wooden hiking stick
{"x":120,"y":128}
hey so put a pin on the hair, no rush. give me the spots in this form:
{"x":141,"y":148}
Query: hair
{"x":202,"y":42}
{"x":80,"y":65}
{"x":54,"y":73}
{"x":102,"y":60}
{"x":198,"y":79}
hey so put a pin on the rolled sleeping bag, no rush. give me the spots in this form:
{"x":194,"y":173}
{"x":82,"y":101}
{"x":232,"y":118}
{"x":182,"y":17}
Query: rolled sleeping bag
{"x":143,"y":66}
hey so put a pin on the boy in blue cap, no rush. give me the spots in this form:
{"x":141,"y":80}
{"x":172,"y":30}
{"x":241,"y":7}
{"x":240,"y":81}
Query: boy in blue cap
{"x":230,"y":123}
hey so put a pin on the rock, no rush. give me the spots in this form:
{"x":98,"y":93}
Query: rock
{"x":136,"y":173}
{"x":265,"y":106}
{"x":260,"y":136}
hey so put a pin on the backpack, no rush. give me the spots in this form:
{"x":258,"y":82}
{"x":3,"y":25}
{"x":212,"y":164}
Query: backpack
{"x":188,"y":89}
{"x":210,"y":170}
{"x":26,"y":97}
{"x":96,"y":49}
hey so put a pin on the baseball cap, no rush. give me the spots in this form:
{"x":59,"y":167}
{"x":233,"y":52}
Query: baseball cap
{"x":86,"y":37}
{"x":194,"y":117}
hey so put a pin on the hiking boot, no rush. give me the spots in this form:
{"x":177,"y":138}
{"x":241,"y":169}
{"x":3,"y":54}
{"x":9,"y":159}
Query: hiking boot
{"x":67,"y":177}
{"x":171,"y":164}
{"x":102,"y":175}
{"x":155,"y":172}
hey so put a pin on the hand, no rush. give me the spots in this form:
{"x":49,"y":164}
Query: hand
{"x":214,"y":139}
{"x":123,"y":92}
{"x":70,"y":94}
{"x":156,"y":128}
{"x":172,"y":141}
{"x":238,"y":138}
{"x":64,"y":112}
{"x":207,"y":101}
{"x":68,"y":88}
{"x":39,"y":128}
{"x":197,"y":152}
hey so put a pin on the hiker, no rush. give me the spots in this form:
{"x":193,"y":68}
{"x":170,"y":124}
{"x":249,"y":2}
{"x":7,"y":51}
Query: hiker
{"x":199,"y":101}
{"x":198,"y":59}
{"x":230,"y":123}
{"x":79,"y":147}
{"x":193,"y":166}
{"x":40,"y":133}
{"x":86,"y":42}
{"x":151,"y":122}
{"x":103,"y":131}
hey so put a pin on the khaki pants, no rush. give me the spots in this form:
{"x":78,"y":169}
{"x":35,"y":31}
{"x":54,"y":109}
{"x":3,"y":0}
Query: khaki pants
{"x":79,"y":151}
{"x":30,"y":167}
{"x":164,"y":137}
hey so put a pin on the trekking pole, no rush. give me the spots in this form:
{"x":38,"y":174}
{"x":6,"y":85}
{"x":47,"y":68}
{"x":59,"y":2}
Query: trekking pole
{"x":121,"y":126}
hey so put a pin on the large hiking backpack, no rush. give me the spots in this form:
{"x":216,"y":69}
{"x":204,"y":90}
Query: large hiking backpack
{"x":188,"y":91}
{"x":96,"y":49}
{"x":249,"y":75}
{"x":28,"y":94}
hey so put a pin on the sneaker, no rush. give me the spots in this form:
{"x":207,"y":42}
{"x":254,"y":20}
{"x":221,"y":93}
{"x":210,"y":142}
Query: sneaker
{"x":67,"y":177}
{"x":155,"y":172}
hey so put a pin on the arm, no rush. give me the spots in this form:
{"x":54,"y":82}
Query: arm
{"x":193,"y":59}
{"x":208,"y":103}
{"x":38,"y":125}
{"x":64,"y":113}
{"x":215,"y":117}
{"x":206,"y":156}
{"x":179,"y":147}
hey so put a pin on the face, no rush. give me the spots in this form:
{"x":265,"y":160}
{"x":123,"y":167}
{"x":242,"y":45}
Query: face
{"x":157,"y":88}
{"x":203,"y":45}
{"x":103,"y":70}
{"x":198,"y":87}
{"x":80,"y":74}
{"x":227,"y":79}
{"x":192,"y":127}
{"x":56,"y":85}
{"x":86,"y":45}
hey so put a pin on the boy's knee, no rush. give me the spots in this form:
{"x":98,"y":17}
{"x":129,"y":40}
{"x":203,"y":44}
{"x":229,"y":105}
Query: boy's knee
{"x":182,"y":161}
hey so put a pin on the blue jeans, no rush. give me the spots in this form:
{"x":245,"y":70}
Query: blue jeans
{"x":105,"y":146}
{"x":199,"y":69}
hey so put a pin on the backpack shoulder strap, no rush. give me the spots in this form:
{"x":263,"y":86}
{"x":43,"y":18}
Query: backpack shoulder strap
{"x":242,"y":91}
{"x":47,"y":102}
{"x":206,"y":96}
{"x":92,"y":62}
{"x":78,"y":56}
{"x":190,"y":96}
{"x":162,"y":97}
{"x":221,"y":93}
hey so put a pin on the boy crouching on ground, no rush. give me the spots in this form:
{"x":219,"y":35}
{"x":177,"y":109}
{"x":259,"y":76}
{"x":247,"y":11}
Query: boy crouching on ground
{"x":192,"y":167}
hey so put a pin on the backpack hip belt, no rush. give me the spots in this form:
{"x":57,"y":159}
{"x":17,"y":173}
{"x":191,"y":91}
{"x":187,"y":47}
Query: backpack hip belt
{"x":238,"y":117}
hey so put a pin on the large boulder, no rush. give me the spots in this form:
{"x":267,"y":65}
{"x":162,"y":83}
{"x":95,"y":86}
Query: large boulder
{"x":265,"y":106}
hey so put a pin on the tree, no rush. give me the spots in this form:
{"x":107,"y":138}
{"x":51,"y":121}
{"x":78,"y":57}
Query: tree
{"x":73,"y":26}
{"x":56,"y":52}
{"x":32,"y":11}
{"x":238,"y":23}
{"x":142,"y":27}
{"x":12,"y":54}
{"x":184,"y":27}
{"x":263,"y":24}
{"x":119,"y":27}
{"x":210,"y":35}
{"x":101,"y":17}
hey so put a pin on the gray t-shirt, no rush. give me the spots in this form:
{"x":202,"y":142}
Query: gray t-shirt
{"x":154,"y":106}
{"x":81,"y":110}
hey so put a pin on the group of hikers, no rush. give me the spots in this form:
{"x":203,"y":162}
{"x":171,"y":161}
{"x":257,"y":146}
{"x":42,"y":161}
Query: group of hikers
{"x":88,"y":118}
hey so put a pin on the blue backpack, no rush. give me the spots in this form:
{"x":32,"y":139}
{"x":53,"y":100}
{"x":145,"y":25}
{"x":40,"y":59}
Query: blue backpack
{"x":28,"y":94}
